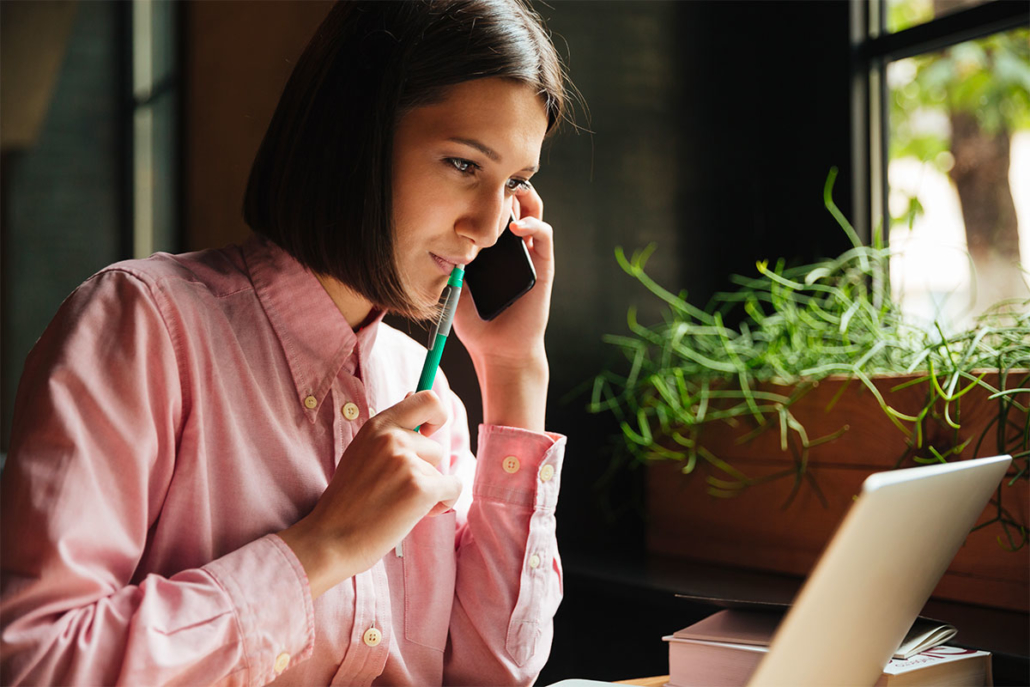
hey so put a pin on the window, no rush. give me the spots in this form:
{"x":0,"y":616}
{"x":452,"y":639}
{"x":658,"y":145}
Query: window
{"x":155,"y":118}
{"x":945,"y":89}
{"x":904,"y":14}
{"x":90,"y":162}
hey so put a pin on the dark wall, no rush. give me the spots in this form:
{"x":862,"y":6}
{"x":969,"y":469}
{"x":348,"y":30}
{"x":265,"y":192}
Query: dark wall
{"x":767,"y":99}
{"x":714,"y":127}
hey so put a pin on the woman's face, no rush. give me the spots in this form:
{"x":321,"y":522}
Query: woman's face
{"x":457,"y":166}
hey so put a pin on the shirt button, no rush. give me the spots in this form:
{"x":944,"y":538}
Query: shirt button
{"x":534,"y":561}
{"x":511,"y":465}
{"x":310,"y":402}
{"x":281,"y":662}
{"x":546,"y":473}
{"x":372,"y":637}
{"x":350,"y":411}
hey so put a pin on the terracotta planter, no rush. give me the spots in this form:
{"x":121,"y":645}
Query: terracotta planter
{"x":757,"y":530}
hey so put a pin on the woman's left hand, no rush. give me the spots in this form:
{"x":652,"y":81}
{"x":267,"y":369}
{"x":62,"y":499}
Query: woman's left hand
{"x":508,"y":351}
{"x":516,"y":336}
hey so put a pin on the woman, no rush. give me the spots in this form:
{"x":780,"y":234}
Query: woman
{"x":200,"y":488}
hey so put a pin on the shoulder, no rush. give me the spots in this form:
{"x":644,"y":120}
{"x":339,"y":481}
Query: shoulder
{"x":181,"y":290}
{"x":155,"y":295}
{"x":218,"y":272}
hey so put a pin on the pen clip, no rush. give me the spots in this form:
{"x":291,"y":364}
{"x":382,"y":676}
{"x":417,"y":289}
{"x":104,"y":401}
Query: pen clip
{"x":436,"y":325}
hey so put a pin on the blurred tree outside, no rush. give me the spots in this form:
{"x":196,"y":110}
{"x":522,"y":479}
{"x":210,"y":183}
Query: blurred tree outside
{"x":904,"y":14}
{"x":957,"y":110}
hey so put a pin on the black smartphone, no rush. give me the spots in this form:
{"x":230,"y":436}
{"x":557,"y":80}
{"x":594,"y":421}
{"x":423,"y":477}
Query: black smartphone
{"x":500,"y":274}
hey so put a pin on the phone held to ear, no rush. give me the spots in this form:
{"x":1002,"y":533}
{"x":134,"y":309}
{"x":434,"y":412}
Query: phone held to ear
{"x":500,"y":274}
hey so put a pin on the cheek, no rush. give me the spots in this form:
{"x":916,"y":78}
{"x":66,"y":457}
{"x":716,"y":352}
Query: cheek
{"x":406,"y":249}
{"x":409,"y":222}
{"x":421,"y":198}
{"x":410,"y":187}
{"x":405,"y":213}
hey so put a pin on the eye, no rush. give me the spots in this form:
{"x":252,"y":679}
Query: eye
{"x":463,"y":166}
{"x":515,"y":184}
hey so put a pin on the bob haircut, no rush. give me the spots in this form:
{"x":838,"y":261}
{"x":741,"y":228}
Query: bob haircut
{"x":320,"y":185}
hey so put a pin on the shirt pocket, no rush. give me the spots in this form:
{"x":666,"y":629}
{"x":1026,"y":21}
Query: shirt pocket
{"x":429,"y":578}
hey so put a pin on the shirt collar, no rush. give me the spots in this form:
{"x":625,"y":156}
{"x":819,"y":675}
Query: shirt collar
{"x":316,"y":338}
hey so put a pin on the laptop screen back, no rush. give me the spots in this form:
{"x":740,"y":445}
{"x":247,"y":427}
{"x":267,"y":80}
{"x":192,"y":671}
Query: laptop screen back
{"x":878,"y":571}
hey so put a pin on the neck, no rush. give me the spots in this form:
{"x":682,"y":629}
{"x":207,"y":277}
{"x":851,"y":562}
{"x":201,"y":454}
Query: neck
{"x":354,"y":308}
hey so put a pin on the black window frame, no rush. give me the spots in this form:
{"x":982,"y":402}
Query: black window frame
{"x":873,"y":48}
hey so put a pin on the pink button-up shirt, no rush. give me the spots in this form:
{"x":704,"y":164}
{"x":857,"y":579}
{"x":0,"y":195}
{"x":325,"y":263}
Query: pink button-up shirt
{"x":177,"y":413}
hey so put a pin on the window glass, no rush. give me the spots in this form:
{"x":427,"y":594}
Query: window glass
{"x":958,"y":176}
{"x":904,"y":14}
{"x":155,"y":119}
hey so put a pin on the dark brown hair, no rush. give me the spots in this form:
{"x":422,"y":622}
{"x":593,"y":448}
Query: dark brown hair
{"x":320,"y":186}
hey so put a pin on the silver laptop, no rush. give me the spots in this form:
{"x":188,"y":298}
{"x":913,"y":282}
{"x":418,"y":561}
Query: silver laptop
{"x":875,"y":575}
{"x":877,"y":572}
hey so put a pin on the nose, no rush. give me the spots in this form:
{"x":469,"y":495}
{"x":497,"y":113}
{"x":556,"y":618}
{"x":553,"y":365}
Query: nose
{"x":485,"y":219}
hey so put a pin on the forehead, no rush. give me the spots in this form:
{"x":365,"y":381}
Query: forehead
{"x":505,"y":115}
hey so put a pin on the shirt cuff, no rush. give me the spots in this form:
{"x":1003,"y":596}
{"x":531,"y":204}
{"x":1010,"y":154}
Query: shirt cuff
{"x":518,"y":466}
{"x":268,"y":587}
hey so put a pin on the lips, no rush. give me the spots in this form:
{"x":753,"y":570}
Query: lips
{"x":446,"y":264}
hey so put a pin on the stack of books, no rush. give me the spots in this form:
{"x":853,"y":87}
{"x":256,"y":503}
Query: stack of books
{"x":724,"y":649}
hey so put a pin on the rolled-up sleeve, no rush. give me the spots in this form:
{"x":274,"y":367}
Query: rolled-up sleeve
{"x":92,"y":452}
{"x":509,"y":579}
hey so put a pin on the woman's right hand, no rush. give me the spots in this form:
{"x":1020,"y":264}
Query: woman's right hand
{"x":386,"y":481}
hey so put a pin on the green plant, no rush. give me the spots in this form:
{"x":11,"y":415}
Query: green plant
{"x":799,"y":325}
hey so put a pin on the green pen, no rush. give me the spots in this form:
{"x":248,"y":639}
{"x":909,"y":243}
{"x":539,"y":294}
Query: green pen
{"x":438,"y":337}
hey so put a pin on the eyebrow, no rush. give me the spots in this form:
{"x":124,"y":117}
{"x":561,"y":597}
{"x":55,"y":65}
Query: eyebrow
{"x":488,"y":151}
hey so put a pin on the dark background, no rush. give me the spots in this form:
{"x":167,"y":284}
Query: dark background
{"x":715,"y":125}
{"x":711,"y":128}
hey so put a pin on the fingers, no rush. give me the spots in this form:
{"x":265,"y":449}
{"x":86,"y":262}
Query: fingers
{"x":449,"y":490}
{"x":430,"y":451}
{"x":539,"y":234}
{"x":394,"y":426}
{"x":530,"y":204}
{"x":530,"y":224}
{"x":429,"y":427}
{"x":424,"y":408}
{"x":426,"y":429}
{"x":438,"y":509}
